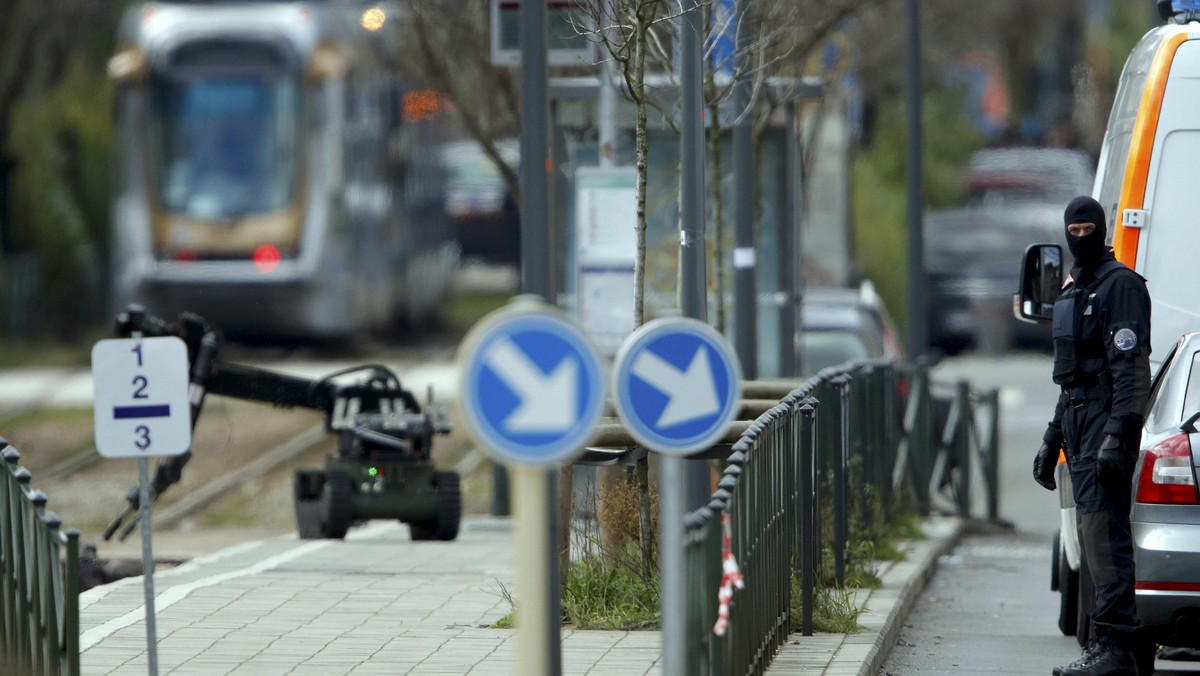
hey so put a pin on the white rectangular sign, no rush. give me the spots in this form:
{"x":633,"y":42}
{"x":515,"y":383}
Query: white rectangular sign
{"x":566,"y":45}
{"x":606,"y":215}
{"x":140,"y":394}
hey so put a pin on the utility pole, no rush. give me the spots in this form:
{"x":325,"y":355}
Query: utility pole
{"x":536,"y":279}
{"x":912,"y":173}
{"x":745,"y":252}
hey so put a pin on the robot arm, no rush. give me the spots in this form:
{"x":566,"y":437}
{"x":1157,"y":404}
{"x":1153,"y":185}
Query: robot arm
{"x":371,"y":412}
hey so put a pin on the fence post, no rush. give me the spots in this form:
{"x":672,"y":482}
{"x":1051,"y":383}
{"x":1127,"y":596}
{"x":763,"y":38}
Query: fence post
{"x":808,"y":540}
{"x":864,"y":420}
{"x":841,"y":481}
{"x":919,"y":442}
{"x":71,"y":606}
{"x":962,"y":445}
{"x":993,"y":454}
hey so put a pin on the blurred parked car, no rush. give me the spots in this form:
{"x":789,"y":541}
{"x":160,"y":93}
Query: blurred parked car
{"x":1166,"y":510}
{"x":839,"y":325}
{"x":1005,"y":176}
{"x":972,"y":263}
{"x":484,"y":215}
{"x":1165,"y":518}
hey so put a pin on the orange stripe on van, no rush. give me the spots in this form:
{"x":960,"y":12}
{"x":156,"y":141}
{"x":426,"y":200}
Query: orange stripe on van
{"x":1137,"y":167}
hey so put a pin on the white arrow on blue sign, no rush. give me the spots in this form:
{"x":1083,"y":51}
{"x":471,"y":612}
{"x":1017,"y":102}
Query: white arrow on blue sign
{"x":677,"y":385}
{"x":531,"y":385}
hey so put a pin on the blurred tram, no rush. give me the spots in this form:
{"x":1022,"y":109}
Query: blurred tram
{"x":278,"y":176}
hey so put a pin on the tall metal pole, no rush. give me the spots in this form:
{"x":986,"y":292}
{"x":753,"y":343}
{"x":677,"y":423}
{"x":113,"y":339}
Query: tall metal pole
{"x":536,"y":279}
{"x":693,"y":275}
{"x":788,"y":254}
{"x":916,"y":241}
{"x":745,"y":253}
{"x":693,"y":299}
{"x":685,"y":482}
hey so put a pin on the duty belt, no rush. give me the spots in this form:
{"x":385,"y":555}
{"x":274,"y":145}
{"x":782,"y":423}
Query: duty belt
{"x":1079,"y":394}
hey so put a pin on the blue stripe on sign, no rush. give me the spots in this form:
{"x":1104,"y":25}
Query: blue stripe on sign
{"x":153,"y":411}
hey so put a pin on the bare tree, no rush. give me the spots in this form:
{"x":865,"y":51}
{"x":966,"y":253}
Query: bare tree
{"x":448,"y":49}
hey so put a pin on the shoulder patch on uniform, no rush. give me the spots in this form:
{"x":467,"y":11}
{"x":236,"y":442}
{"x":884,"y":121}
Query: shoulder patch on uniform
{"x":1125,"y":340}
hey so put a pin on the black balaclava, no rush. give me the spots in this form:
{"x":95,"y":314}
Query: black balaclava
{"x":1089,"y":249}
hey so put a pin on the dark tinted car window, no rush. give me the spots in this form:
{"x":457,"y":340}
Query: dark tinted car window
{"x":822,"y":349}
{"x":1167,"y":403}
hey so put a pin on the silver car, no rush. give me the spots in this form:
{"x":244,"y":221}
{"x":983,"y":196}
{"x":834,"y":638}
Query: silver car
{"x":1165,"y":519}
{"x":1166,"y":508}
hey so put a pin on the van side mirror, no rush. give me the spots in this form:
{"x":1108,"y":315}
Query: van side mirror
{"x":1041,"y":283}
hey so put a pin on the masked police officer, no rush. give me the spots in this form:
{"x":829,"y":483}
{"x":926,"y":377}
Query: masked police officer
{"x":1101,"y":332}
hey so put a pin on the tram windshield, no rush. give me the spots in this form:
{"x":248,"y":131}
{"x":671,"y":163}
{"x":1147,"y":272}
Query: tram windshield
{"x":226,"y":146}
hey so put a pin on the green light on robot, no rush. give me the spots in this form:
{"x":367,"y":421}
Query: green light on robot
{"x":373,"y":471}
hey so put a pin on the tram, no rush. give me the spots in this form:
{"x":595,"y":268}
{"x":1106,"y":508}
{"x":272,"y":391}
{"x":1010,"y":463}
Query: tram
{"x":277,"y":173}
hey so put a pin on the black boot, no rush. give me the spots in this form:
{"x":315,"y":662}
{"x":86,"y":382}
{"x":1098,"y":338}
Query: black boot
{"x":1109,"y":660}
{"x":1088,"y":654}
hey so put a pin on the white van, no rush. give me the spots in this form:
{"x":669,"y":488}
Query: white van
{"x":1147,"y":180}
{"x":1148,"y":174}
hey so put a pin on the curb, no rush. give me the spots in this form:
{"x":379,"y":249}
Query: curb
{"x":882,"y":612}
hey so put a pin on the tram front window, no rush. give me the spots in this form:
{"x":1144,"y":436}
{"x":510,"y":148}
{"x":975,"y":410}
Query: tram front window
{"x":226,"y":146}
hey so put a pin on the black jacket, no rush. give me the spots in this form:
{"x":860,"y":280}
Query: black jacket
{"x":1112,"y":346}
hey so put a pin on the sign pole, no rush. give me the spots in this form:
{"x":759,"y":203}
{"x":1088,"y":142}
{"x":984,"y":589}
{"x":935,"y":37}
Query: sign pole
{"x":535,"y":607}
{"x":147,"y":553}
{"x":140,"y":397}
{"x":532,"y":390}
{"x":673,"y":584}
{"x":676,"y":385}
{"x":147,"y":562}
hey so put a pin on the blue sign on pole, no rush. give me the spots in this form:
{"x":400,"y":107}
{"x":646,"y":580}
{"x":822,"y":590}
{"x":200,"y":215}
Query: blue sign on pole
{"x":531,"y":385}
{"x":677,"y":385}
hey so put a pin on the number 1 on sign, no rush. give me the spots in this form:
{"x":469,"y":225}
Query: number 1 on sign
{"x":137,"y":349}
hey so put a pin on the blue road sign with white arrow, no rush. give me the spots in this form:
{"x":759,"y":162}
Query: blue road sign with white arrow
{"x":532,"y":388}
{"x":677,"y":385}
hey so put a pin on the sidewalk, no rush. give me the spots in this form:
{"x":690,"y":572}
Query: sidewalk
{"x":378,"y":603}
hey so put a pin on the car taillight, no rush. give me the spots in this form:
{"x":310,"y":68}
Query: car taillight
{"x":1167,"y":477}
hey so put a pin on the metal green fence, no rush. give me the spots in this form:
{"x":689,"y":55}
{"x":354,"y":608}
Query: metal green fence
{"x":814,"y":474}
{"x":39,"y":580}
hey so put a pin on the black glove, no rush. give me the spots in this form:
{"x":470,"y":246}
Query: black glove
{"x":1110,"y":461}
{"x":1043,"y":466}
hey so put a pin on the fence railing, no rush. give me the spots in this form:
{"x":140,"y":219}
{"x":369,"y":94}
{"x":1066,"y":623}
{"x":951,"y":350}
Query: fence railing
{"x":39,"y":579}
{"x":825,"y":462}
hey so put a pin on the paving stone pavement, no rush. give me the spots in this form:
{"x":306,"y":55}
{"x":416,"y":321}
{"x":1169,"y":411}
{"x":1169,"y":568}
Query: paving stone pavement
{"x":378,"y":603}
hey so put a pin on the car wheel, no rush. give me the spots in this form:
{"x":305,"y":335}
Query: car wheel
{"x":1068,"y":592}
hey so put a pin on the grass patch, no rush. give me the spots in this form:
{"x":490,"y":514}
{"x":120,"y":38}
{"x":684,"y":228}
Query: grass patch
{"x":602,"y":596}
{"x":236,"y":509}
{"x":834,"y":609}
{"x":464,"y":309}
{"x":24,"y":354}
{"x":509,"y":621}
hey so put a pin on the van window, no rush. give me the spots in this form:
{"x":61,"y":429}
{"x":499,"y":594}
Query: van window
{"x":1115,"y":152}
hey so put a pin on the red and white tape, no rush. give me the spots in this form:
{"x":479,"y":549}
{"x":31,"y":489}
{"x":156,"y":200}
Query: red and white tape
{"x":731,"y":576}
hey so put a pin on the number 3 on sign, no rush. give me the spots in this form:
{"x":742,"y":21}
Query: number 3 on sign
{"x":143,"y":437}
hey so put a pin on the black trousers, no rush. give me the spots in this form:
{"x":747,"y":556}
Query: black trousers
{"x":1102,"y":510}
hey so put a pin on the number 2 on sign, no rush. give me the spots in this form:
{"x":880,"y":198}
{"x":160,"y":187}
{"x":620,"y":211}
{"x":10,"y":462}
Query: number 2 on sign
{"x":143,"y":437}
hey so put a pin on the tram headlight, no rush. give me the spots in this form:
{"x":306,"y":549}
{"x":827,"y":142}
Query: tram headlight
{"x":373,"y":19}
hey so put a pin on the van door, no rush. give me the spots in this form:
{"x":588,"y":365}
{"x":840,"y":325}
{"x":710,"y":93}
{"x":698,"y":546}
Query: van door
{"x":1169,"y":247}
